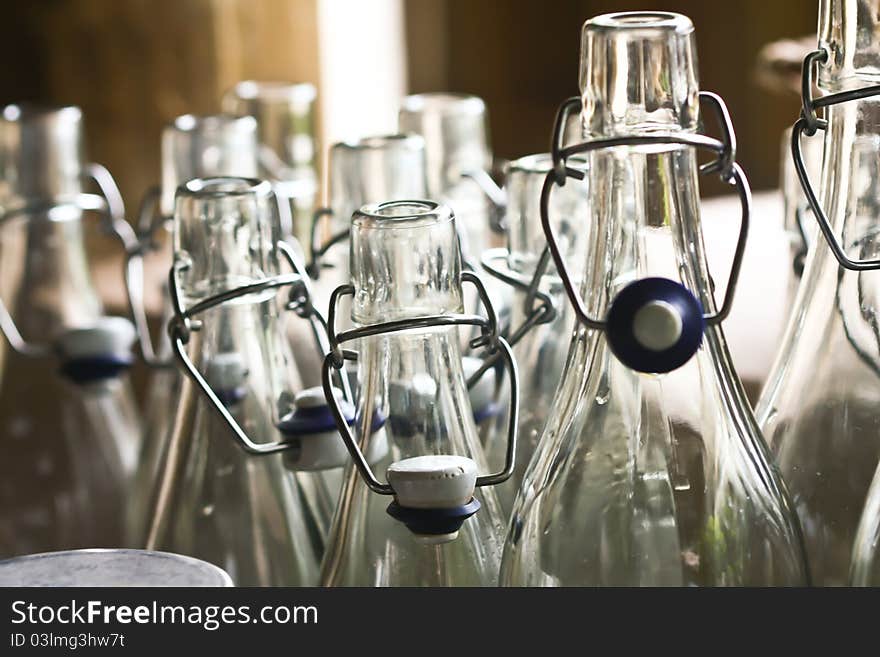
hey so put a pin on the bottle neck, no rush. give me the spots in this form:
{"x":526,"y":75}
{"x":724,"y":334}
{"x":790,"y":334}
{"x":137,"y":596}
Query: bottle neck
{"x":414,"y":380}
{"x":645,"y":217}
{"x":52,"y":287}
{"x":849,"y":174}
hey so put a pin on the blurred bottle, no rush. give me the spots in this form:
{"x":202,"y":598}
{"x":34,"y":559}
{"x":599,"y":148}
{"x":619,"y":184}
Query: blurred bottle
{"x":70,"y":429}
{"x":406,"y":271}
{"x":819,"y":405}
{"x":459,"y":164}
{"x":650,"y":470}
{"x":370,"y":170}
{"x":540,"y":327}
{"x":213,"y":500}
{"x":285,"y":114}
{"x":192,"y":147}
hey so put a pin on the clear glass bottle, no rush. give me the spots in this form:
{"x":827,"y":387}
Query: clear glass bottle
{"x":406,"y":265}
{"x":192,"y":147}
{"x":285,"y":114}
{"x":213,"y":500}
{"x":369,"y":170}
{"x":541,"y":351}
{"x":819,"y":405}
{"x":70,"y":427}
{"x":650,"y":470}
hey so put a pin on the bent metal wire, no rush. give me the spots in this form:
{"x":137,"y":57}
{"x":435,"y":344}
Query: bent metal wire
{"x":110,"y":210}
{"x":724,"y":165}
{"x":494,"y":262}
{"x":808,"y":123}
{"x":489,"y":338}
{"x":299,"y":300}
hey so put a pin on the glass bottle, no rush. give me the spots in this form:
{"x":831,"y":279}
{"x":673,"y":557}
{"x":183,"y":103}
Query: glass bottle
{"x":540,"y":345}
{"x":455,"y":129}
{"x":70,"y":427}
{"x":285,"y":114}
{"x":212,"y":499}
{"x":650,"y":470}
{"x":819,"y":404}
{"x":406,"y":278}
{"x":369,"y":170}
{"x":192,"y":147}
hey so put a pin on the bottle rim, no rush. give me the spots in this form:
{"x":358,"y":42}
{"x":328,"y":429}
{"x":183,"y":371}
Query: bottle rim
{"x":274,"y":90}
{"x":408,"y":141}
{"x":27,"y":111}
{"x":225,"y":187}
{"x":192,"y":123}
{"x":411,"y":213}
{"x":542,"y":163}
{"x":642,"y":20}
{"x":443,"y":102}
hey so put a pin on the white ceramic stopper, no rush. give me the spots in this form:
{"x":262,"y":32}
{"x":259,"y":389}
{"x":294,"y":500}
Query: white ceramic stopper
{"x":321,"y":450}
{"x":108,"y":335}
{"x":657,"y":325}
{"x":226,"y":371}
{"x":433,"y":481}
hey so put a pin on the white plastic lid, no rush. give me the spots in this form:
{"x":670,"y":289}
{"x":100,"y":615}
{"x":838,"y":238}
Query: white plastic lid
{"x":108,"y":335}
{"x":313,"y":397}
{"x":226,"y":371}
{"x":433,"y":481}
{"x":110,"y":568}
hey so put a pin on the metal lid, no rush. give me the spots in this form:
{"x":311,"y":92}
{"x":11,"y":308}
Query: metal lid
{"x":117,"y":568}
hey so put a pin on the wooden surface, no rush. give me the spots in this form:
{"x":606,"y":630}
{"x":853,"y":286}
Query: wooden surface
{"x":134,"y":65}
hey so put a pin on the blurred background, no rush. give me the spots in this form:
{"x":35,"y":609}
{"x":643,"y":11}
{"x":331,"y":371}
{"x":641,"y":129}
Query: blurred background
{"x":135,"y":65}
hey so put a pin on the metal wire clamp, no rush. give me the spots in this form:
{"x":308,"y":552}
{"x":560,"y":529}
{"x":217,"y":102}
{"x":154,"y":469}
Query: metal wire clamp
{"x":184,"y":322}
{"x":808,"y":123}
{"x":488,"y":338}
{"x":724,"y":165}
{"x":110,"y":210}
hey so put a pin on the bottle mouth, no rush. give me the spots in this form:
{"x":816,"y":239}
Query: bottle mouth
{"x":637,"y":20}
{"x":24,"y":112}
{"x":275,"y":90}
{"x":190,"y":123}
{"x":225,"y":187}
{"x":383,"y":142}
{"x":444,"y":103}
{"x":542,"y":164}
{"x":402,"y":214}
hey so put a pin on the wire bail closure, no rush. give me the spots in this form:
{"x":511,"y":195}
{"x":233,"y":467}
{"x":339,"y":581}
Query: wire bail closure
{"x":808,"y":124}
{"x":184,"y":322}
{"x":724,"y":165}
{"x":109,"y":207}
{"x":489,"y":338}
